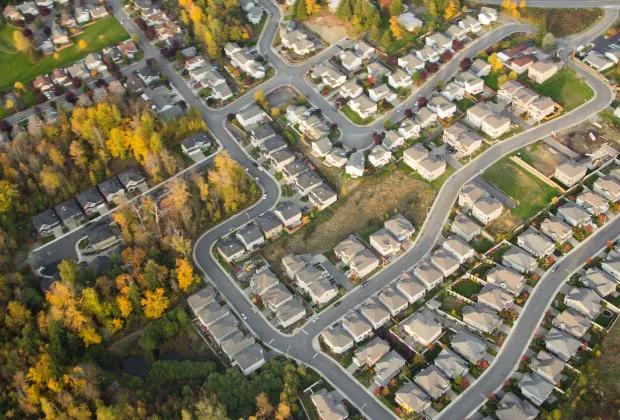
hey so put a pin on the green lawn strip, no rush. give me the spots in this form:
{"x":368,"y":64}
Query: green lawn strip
{"x":17,"y":67}
{"x":530,"y":193}
{"x":565,"y":88}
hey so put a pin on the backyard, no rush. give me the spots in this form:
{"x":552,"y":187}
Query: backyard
{"x":566,"y":88}
{"x":467,"y":288}
{"x":530,"y":193}
{"x":542,"y":157}
{"x":17,"y":67}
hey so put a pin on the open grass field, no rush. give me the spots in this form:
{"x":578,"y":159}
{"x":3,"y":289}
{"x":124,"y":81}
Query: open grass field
{"x":566,"y":88}
{"x":531,"y":193}
{"x":16,"y":66}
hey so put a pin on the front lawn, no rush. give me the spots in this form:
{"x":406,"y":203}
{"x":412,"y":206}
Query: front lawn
{"x":530,"y":193}
{"x":355,"y":117}
{"x":566,"y":88}
{"x":16,"y":66}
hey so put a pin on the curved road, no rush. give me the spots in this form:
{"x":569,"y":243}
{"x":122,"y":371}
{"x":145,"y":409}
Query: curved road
{"x":300,"y":346}
{"x":562,"y":4}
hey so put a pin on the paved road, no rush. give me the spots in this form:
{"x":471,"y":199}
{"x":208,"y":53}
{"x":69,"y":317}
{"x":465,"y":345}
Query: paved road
{"x":522,"y":333}
{"x":300,"y":345}
{"x":562,"y":4}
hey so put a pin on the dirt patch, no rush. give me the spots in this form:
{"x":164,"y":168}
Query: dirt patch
{"x":326,"y":25}
{"x":578,"y":138}
{"x":543,"y":157}
{"x":374,"y":199}
{"x":507,"y":223}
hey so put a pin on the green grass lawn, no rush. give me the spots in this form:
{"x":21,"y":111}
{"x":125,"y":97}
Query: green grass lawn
{"x":16,"y":66}
{"x":529,"y":192}
{"x":492,"y":79}
{"x":467,"y":288}
{"x":355,"y":117}
{"x":565,"y":88}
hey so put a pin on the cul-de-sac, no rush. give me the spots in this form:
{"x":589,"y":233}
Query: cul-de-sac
{"x":310,"y":209}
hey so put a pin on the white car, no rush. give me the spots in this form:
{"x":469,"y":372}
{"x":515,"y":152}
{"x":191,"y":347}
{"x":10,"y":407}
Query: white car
{"x":243,"y":316}
{"x":264,"y":196}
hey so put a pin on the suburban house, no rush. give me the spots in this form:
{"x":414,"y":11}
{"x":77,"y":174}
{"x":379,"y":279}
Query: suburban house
{"x":297,"y":41}
{"x":572,"y":322}
{"x":562,"y":345}
{"x":350,"y":60}
{"x":456,"y":33}
{"x":444,"y":262}
{"x":506,"y":279}
{"x":355,"y":164}
{"x":112,"y":190}
{"x":425,"y":117}
{"x":400,"y":79}
{"x":409,"y":21}
{"x":262,"y":281}
{"x":521,"y":64}
{"x":91,"y":202}
{"x":541,"y":108}
{"x":439,"y":42}
{"x":400,"y":227}
{"x":379,"y":156}
{"x":426,"y":272}
{"x":428,"y":54}
{"x":250,"y":236}
{"x":231,"y":249}
{"x":487,"y":209}
{"x":412,"y":399}
{"x":574,"y":215}
{"x":512,"y":407}
{"x":535,"y":243}
{"x":423,"y":327}
{"x":598,"y":61}
{"x":584,"y":301}
{"x":374,"y":312}
{"x":481,"y":318}
{"x":133,"y":180}
{"x":364,"y":107}
{"x":459,"y":249}
{"x":495,"y":297}
{"x":464,"y":227}
{"x":321,"y":147}
{"x":330,"y":76}
{"x":244,"y":60}
{"x":322,"y":197}
{"x":556,"y":229}
{"x":600,"y":282}
{"x":348,"y":248}
{"x":464,"y":140}
{"x":535,"y":388}
{"x":47,"y":223}
{"x":477,"y":113}
{"x":351,"y":89}
{"x":393,"y":140}
{"x":328,"y":407}
{"x":433,"y":382}
{"x":384,"y":243}
{"x":611,"y":264}
{"x":364,"y":263}
{"x":381,"y":92}
{"x":548,"y":366}
{"x":358,"y":327}
{"x":337,"y":339}
{"x":593,"y":203}
{"x":364,"y":50}
{"x":276,"y":296}
{"x":289,"y":213}
{"x":411,"y":288}
{"x":250,"y":116}
{"x":453,"y":91}
{"x":197,"y":142}
{"x":495,"y":126}
{"x":480,"y":67}
{"x":410,"y":63}
{"x":393,"y":300}
{"x":376,"y":71}
{"x":451,"y":364}
{"x":608,"y":187}
{"x":201,"y":298}
{"x":470,"y":347}
{"x":473,"y":84}
{"x":442,"y":107}
{"x":269,"y":224}
{"x":487,"y":15}
{"x":470,"y":24}
{"x":541,"y":71}
{"x":290,"y":312}
{"x":388,"y":367}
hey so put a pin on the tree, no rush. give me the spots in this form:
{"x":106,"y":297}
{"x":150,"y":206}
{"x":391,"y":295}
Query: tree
{"x":465,"y":63}
{"x":259,"y":97}
{"x":8,"y":196}
{"x":432,"y":9}
{"x":300,"y":10}
{"x":513,"y":75}
{"x":523,"y":4}
{"x":82,"y":44}
{"x":284,"y":411}
{"x":68,"y":271}
{"x":312,"y":7}
{"x":451,"y":10}
{"x":548,"y":41}
{"x":422,"y":101}
{"x":501,"y":80}
{"x":185,"y":274}
{"x":154,"y":303}
{"x":397,"y":31}
{"x":264,"y":409}
{"x":396,"y":8}
{"x":495,"y":62}
{"x":21,"y":42}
